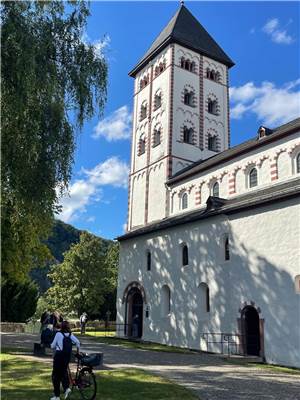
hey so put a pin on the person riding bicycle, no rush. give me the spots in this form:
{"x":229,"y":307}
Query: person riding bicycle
{"x":62,"y":344}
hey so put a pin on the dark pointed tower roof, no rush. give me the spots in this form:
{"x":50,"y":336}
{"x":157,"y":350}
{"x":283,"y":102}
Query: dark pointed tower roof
{"x":184,"y":29}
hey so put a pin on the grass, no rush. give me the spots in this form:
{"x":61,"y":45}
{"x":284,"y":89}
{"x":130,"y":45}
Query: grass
{"x":23,"y":379}
{"x":276,"y":368}
{"x":99,"y":337}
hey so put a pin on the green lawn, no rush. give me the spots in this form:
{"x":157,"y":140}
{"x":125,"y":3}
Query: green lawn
{"x":31,"y":380}
{"x":99,"y":337}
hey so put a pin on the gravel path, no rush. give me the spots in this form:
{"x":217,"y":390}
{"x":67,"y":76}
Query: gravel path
{"x":210,"y":376}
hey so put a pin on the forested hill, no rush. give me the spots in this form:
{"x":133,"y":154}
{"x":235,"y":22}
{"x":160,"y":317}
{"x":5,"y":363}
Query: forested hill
{"x":62,"y":237}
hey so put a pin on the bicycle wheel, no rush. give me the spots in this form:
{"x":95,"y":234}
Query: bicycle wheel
{"x":86,"y":384}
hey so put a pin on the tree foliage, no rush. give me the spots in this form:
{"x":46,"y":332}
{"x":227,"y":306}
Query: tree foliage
{"x":52,"y":81}
{"x":83,"y":279}
{"x":18,"y":300}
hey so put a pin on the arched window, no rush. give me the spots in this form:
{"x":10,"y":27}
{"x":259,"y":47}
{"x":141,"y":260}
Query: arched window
{"x":182,"y":62}
{"x":212,"y":106}
{"x":165,"y":301}
{"x":298,"y":163}
{"x":253,"y":178}
{"x":142,"y":145}
{"x":193,"y":67}
{"x":184,"y":201}
{"x":188,"y":135}
{"x":148,"y":261}
{"x":156,"y":137}
{"x":212,"y":143}
{"x":143,"y":114}
{"x":188,"y":98}
{"x":161,"y":67}
{"x":185,"y":255}
{"x":157,"y":101}
{"x":204,"y":298}
{"x":226,"y":248}
{"x":215,"y":190}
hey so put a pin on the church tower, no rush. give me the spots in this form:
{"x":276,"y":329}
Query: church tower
{"x":180,"y":114}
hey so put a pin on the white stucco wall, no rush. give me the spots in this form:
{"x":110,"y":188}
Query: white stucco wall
{"x":264,"y":248}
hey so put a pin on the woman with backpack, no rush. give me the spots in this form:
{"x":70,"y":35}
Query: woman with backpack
{"x":62,"y":344}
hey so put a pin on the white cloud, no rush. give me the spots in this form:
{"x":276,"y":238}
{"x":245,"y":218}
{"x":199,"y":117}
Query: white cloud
{"x":99,"y":44}
{"x":277,"y":34}
{"x":84,"y":191}
{"x":272,"y":105}
{"x":116,"y":126}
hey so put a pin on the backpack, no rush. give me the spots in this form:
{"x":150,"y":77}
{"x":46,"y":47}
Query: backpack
{"x":67,"y":345}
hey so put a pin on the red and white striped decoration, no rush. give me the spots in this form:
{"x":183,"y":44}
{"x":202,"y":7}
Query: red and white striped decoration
{"x":274,"y":170}
{"x":231,"y":184}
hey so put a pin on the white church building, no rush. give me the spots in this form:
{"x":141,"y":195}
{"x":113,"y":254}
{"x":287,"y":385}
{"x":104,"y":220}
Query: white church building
{"x":211,"y":257}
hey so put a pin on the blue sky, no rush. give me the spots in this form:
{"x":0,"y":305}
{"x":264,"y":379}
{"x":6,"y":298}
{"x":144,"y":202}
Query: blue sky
{"x":262,"y":38}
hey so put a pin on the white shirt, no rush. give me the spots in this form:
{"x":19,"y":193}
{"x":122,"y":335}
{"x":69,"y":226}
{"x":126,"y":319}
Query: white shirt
{"x":57,"y":343}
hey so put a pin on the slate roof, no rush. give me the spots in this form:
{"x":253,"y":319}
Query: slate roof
{"x":216,"y":206}
{"x":242,"y":148}
{"x":184,"y":29}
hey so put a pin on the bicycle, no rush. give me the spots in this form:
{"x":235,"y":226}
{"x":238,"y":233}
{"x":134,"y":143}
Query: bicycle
{"x":84,"y":379}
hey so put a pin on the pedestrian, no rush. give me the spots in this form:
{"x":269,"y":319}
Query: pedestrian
{"x":83,"y":320}
{"x":62,"y":344}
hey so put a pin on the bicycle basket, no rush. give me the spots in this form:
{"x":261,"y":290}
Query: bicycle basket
{"x":92,"y":360}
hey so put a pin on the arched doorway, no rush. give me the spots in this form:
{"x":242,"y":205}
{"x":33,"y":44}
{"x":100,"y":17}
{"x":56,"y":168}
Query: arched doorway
{"x":251,"y":331}
{"x":134,"y":313}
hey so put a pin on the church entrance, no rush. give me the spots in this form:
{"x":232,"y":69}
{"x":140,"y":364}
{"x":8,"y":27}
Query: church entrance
{"x":134,"y":313}
{"x":251,"y":331}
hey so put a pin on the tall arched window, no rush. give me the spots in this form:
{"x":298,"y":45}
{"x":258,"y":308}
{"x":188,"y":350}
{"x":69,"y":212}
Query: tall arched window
{"x":148,"y":261}
{"x":165,"y":301}
{"x":215,"y":190}
{"x":185,"y":255}
{"x":188,"y":135}
{"x":184,"y":201}
{"x":253,"y":177}
{"x":226,"y":248}
{"x":298,"y":163}
{"x":204,"y":298}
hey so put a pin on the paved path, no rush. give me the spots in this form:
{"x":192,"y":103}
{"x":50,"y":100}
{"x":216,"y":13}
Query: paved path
{"x":211,"y":377}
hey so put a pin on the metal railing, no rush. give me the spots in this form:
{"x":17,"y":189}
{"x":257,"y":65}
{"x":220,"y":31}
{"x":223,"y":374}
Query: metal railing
{"x":225,"y":343}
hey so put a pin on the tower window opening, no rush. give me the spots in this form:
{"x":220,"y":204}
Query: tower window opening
{"x":142,"y":145}
{"x":216,"y":190}
{"x":157,"y":101}
{"x":188,"y":98}
{"x":212,"y":107}
{"x":212,"y":143}
{"x":253,"y":178}
{"x":188,"y":135}
{"x":156,"y":137}
{"x":166,"y":301}
{"x":143,"y":114}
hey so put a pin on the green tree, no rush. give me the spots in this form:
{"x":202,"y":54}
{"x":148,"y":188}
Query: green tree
{"x":18,"y":300}
{"x":52,"y":81}
{"x":82,"y":280}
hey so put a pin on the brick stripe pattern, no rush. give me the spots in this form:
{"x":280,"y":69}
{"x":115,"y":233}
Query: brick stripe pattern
{"x":170,"y":138}
{"x":148,"y":147}
{"x":228,"y":107}
{"x":231,"y":184}
{"x":198,"y":197}
{"x":274,"y":170}
{"x":201,"y":105}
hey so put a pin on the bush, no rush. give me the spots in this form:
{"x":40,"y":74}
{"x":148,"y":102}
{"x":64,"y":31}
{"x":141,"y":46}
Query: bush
{"x":19,"y":300}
